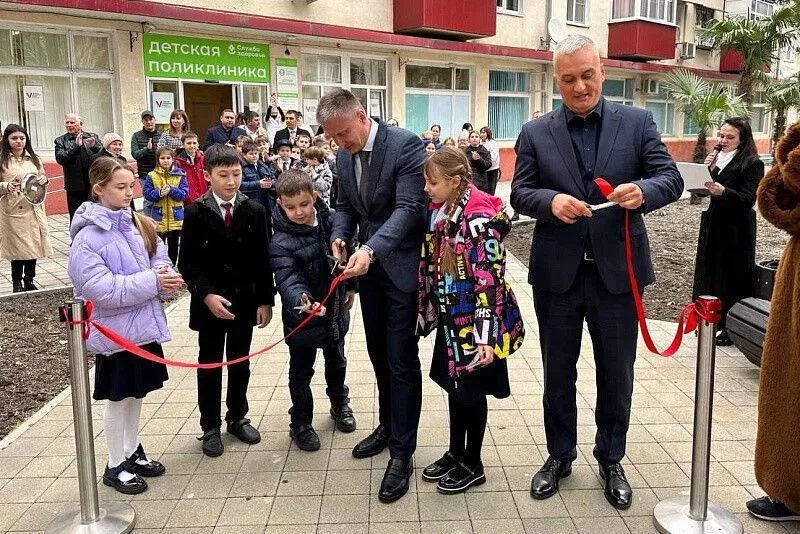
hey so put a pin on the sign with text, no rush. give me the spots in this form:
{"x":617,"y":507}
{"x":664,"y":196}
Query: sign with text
{"x":33,"y":98}
{"x":163,"y":105}
{"x":172,"y":56}
{"x":286,"y":83}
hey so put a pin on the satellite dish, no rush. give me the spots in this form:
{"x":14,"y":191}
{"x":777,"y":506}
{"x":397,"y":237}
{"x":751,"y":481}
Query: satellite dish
{"x":556,"y":29}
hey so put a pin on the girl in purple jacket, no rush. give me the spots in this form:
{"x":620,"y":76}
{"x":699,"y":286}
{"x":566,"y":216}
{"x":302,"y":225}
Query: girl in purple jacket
{"x":118,"y":262}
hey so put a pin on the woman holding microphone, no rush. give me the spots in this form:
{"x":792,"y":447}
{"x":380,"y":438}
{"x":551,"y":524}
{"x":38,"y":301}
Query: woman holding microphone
{"x":726,"y":247}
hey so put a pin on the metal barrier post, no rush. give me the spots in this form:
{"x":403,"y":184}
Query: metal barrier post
{"x":693,"y":513}
{"x":89,"y":517}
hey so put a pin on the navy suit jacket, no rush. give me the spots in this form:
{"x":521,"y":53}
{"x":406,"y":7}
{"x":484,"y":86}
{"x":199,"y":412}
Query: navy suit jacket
{"x":629,"y":150}
{"x":392,"y":221}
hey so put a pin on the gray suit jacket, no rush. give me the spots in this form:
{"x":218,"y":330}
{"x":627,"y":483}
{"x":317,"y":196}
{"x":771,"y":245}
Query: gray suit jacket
{"x":392,"y":221}
{"x":629,"y":150}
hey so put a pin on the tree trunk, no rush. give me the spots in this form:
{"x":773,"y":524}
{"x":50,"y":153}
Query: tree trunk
{"x":778,"y":128}
{"x":746,"y":84}
{"x":700,"y":153}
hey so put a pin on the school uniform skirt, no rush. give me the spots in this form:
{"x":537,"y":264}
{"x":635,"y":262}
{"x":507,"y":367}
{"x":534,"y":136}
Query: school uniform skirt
{"x":122,"y":374}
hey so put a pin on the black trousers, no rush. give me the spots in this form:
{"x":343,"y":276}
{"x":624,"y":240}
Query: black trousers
{"x":467,"y":428}
{"x":390,"y":318}
{"x":301,"y":370}
{"x":23,"y":269}
{"x":613,"y":329}
{"x":234,"y":338}
{"x":173,"y":240}
{"x":74,"y":200}
{"x":492,"y":177}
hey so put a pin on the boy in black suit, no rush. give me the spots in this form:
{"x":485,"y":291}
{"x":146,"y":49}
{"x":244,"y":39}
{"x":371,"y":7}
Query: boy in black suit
{"x":225,"y":261}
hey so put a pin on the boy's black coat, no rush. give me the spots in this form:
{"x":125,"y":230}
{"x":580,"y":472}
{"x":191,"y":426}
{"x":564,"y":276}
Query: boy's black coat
{"x":298,"y":256}
{"x":231,"y":262}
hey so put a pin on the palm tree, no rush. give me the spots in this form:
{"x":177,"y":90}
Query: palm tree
{"x":706,"y":104}
{"x":780,"y":97}
{"x":759,"y":41}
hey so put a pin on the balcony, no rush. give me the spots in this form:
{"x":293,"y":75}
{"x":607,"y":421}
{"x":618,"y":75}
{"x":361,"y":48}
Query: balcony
{"x":641,"y":40}
{"x":450,"y":19}
{"x":732,"y":61}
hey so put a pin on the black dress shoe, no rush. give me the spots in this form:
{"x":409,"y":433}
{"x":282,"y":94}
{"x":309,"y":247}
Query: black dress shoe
{"x":461,"y":478}
{"x":243,"y":430}
{"x":151,"y":468}
{"x":29,"y":285}
{"x":17,"y":287}
{"x":344,"y":419}
{"x":395,"y":480}
{"x":439,"y":468}
{"x":305,"y":437}
{"x":545,"y":482}
{"x":617,"y":490}
{"x":133,"y":486}
{"x":212,"y":443}
{"x":372,"y":444}
{"x":723,"y":340}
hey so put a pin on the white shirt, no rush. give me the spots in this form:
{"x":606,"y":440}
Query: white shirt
{"x":220,"y":201}
{"x":724,"y":158}
{"x":373,"y":133}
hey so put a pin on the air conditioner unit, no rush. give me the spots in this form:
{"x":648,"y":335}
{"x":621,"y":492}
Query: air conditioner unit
{"x":650,"y":87}
{"x":686,"y":50}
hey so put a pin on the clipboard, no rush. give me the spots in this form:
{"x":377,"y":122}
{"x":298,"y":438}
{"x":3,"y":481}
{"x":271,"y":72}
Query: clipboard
{"x":694,"y":175}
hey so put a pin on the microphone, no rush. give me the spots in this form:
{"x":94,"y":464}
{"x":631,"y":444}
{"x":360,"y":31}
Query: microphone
{"x":715,"y":153}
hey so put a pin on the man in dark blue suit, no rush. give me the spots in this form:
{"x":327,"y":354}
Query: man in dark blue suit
{"x":577,"y":264}
{"x":381,"y":195}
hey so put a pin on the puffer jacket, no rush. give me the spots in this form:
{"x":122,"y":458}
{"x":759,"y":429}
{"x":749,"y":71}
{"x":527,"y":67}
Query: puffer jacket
{"x":74,"y":160}
{"x":109,"y":265}
{"x":252,"y":174}
{"x":195,"y":178}
{"x":298,"y":256}
{"x":167,"y":211}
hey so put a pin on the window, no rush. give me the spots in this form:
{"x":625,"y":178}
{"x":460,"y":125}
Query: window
{"x":577,"y":11}
{"x":656,"y":10}
{"x":703,"y":17}
{"x":509,"y":102}
{"x":74,"y":72}
{"x":759,"y":118}
{"x":508,"y":6}
{"x":437,"y":95}
{"x":368,"y":83}
{"x":690,"y":126}
{"x":761,"y":8}
{"x":663,"y":110}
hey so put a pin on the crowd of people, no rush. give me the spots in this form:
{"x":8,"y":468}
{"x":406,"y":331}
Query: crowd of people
{"x":410,"y":222}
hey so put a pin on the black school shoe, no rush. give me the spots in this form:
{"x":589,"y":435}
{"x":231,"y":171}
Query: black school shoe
{"x":134,"y":486}
{"x":460,"y":478}
{"x":771,"y":510}
{"x":243,"y":430}
{"x":150,"y":469}
{"x":305,"y":437}
{"x":344,"y":419}
{"x":439,"y":468}
{"x":723,"y":339}
{"x":212,"y":443}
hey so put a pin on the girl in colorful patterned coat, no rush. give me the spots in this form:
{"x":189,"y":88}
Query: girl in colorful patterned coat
{"x":463,"y":295}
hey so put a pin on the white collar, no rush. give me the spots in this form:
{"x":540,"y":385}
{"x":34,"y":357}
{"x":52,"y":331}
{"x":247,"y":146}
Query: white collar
{"x":220,"y":201}
{"x":373,"y":133}
{"x":725,"y":158}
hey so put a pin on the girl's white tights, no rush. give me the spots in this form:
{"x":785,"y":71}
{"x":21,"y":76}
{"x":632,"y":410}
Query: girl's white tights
{"x":121,"y":425}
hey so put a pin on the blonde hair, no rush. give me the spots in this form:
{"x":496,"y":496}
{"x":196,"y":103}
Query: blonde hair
{"x":449,"y":162}
{"x":100,"y":173}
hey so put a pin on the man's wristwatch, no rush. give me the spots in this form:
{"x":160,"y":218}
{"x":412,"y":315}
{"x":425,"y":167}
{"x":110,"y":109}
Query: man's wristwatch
{"x":369,"y":251}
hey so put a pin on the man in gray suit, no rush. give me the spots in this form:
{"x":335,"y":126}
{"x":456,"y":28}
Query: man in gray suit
{"x":577,"y":265}
{"x":381,"y":194}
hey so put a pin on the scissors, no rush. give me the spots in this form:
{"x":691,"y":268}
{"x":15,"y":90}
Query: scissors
{"x":604,"y":205}
{"x":336,"y":262}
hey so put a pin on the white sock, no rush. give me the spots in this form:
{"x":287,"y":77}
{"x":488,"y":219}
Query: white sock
{"x":114,"y":427}
{"x":132,"y":417}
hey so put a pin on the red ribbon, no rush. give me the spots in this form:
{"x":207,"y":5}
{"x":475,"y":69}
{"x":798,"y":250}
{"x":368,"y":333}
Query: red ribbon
{"x":687,"y":319}
{"x":131,"y":347}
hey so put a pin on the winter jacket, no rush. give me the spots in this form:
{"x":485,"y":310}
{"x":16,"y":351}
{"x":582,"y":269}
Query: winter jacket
{"x":145,"y":157}
{"x":251,"y":176}
{"x":24,"y":234}
{"x":479,"y":166}
{"x":477,"y":303}
{"x":219,"y":135}
{"x":323,"y":182}
{"x":109,"y":265}
{"x":167,"y":211}
{"x":299,"y":259}
{"x":74,"y":160}
{"x":229,"y":261}
{"x":195,"y":178}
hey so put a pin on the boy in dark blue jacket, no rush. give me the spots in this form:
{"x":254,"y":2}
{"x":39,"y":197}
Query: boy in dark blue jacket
{"x":303,"y":274}
{"x":258,"y":179}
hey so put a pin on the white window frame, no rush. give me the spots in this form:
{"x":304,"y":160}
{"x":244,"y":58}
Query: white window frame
{"x":514,"y":94}
{"x":503,"y":9}
{"x":700,"y":42}
{"x":758,"y":103}
{"x":586,"y":13}
{"x":753,"y":8}
{"x":637,"y":10}
{"x":70,"y":71}
{"x":452,"y":93}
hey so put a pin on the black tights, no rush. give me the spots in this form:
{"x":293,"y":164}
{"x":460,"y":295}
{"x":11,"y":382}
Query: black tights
{"x":17,"y":268}
{"x":467,"y":424}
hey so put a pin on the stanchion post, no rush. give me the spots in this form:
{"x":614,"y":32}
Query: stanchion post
{"x":114,"y":518}
{"x":694,"y":514}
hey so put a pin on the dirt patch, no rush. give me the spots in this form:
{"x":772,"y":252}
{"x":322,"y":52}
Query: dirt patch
{"x":673,"y":233}
{"x":34,"y":362}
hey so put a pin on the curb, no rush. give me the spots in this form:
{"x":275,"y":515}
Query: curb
{"x":43,"y":291}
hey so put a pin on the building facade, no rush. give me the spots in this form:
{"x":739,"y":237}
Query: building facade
{"x":487,"y":62}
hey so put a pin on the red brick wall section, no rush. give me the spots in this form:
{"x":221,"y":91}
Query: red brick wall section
{"x":679,"y":149}
{"x":56,"y":201}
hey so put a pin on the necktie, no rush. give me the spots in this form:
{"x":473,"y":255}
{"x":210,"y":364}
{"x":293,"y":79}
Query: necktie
{"x":285,"y":165}
{"x":363,"y":178}
{"x":228,"y":217}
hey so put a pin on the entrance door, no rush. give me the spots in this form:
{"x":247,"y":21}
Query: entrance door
{"x":204,"y":104}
